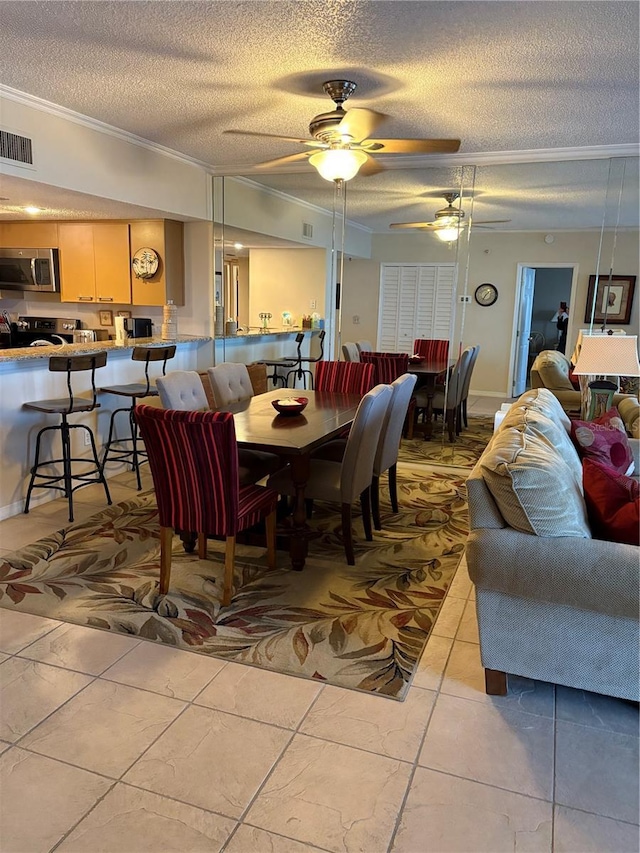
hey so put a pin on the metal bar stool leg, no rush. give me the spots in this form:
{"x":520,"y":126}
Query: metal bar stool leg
{"x":96,"y":461}
{"x":135,"y":465}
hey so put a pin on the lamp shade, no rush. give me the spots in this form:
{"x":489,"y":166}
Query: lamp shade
{"x":338,"y":164}
{"x":614,"y":355}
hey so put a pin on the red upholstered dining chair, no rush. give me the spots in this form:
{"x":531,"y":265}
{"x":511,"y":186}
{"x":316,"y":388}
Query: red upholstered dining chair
{"x":344,"y":377}
{"x":435,"y":349}
{"x":193,"y":458}
{"x":387,"y":366}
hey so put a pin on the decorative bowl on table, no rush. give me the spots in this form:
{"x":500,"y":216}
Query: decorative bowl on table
{"x":415,"y":359}
{"x":290,"y":405}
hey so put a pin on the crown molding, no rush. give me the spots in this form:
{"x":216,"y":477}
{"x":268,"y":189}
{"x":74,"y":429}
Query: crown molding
{"x":95,"y":124}
{"x":263,"y":189}
{"x":473,"y":158}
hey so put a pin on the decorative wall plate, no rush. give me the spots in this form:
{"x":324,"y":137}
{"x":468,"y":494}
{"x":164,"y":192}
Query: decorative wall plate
{"x":486,"y":294}
{"x":145,"y":262}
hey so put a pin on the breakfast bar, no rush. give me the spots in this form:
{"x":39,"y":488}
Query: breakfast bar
{"x":25,"y":376}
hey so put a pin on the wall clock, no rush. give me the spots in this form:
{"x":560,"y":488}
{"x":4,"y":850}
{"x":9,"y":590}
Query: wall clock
{"x":486,"y":294}
{"x":145,"y":262}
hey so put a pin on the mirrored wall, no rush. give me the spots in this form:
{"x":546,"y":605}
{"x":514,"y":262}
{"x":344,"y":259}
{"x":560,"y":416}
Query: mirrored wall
{"x":282,"y":253}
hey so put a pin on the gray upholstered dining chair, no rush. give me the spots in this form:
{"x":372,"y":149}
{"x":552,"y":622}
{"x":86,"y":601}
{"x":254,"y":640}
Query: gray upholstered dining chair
{"x":182,"y":390}
{"x":350,"y":352}
{"x":448,"y":398}
{"x":364,"y":346}
{"x":230,"y":383}
{"x":344,"y":481}
{"x":467,"y":384}
{"x":386,"y":457}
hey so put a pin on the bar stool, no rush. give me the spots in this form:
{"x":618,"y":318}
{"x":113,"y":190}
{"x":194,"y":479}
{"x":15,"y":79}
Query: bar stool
{"x":64,"y":407}
{"x":130,"y":452}
{"x":292,"y":361}
{"x":299,"y":373}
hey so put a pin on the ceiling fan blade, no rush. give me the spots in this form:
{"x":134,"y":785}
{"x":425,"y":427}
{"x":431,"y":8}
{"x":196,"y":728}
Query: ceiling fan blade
{"x":311,"y":142}
{"x":413,"y":224}
{"x":370,"y":167}
{"x":359,"y":123}
{"x":412,"y":146}
{"x":281,"y":161}
{"x":490,"y":222}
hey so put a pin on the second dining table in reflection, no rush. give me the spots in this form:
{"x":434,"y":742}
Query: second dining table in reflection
{"x":294,"y":437}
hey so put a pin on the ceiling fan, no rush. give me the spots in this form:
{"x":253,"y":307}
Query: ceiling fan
{"x":343,"y":139}
{"x":448,"y":221}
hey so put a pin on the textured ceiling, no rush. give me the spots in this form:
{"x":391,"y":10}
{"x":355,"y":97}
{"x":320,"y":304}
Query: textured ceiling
{"x":501,"y":76}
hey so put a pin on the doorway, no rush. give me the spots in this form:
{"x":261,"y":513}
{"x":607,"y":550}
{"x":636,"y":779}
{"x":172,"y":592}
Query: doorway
{"x":539,"y":291}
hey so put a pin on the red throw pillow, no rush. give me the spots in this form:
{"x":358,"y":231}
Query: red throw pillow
{"x":613,"y":503}
{"x":604,"y":440}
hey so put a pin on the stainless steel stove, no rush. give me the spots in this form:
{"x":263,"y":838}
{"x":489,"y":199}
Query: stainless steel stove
{"x":54,"y":330}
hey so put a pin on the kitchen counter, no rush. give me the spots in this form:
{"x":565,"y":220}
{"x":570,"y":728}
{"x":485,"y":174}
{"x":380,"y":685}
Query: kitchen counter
{"x":41,"y":352}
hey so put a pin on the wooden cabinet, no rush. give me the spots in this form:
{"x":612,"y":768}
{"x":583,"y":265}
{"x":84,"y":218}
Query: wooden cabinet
{"x":28,"y":235}
{"x":94,"y":262}
{"x":166,"y":237}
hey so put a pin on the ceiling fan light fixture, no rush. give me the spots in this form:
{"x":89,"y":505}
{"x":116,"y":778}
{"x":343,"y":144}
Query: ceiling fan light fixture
{"x":338,"y":164}
{"x":448,"y":234}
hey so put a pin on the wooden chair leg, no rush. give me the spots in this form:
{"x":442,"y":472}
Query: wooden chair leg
{"x":270,"y":529}
{"x":166,"y":539}
{"x":393,"y":487}
{"x":202,"y":546}
{"x":375,"y":502}
{"x":308,"y":503}
{"x":229,"y":565}
{"x":495,"y":682}
{"x":464,"y":414}
{"x":347,"y":535}
{"x":450,"y":429}
{"x":365,"y":503}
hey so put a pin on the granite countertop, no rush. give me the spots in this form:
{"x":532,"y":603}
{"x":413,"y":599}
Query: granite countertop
{"x":42,"y":352}
{"x":259,"y":333}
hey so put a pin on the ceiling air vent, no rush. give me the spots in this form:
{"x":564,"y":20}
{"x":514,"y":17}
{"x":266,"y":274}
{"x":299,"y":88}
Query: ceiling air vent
{"x":16,"y":148}
{"x":307,"y":230}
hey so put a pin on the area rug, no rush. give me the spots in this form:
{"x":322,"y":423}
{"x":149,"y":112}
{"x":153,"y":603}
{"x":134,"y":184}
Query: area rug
{"x":464,"y":452}
{"x":362,"y":627}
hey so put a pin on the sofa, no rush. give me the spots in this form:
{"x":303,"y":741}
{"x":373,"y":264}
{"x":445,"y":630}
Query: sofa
{"x":553,"y":602}
{"x":551,"y":370}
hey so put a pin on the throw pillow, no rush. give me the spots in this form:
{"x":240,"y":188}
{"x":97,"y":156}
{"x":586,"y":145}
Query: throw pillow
{"x":604,"y":440}
{"x":613,"y":503}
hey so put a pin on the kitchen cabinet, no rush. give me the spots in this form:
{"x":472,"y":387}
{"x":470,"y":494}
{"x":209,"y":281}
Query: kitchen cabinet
{"x":29,"y":235}
{"x":94,"y":262}
{"x":416,"y":301}
{"x":166,"y":237}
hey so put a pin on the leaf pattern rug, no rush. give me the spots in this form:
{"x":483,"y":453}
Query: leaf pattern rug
{"x":362,"y":627}
{"x":464,"y":452}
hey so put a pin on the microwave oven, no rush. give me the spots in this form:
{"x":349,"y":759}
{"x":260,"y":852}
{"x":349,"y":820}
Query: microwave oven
{"x":29,"y":269}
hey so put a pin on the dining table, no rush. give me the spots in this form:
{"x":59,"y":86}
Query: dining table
{"x":427,"y":372}
{"x":293,"y":437}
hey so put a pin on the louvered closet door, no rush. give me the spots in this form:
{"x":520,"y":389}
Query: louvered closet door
{"x":415,"y":302}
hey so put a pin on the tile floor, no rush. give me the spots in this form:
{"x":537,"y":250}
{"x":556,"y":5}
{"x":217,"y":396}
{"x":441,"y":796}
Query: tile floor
{"x":108,"y":743}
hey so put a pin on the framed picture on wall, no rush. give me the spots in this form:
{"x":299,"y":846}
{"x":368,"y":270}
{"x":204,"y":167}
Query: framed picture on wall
{"x":106,"y":318}
{"x":613,"y":298}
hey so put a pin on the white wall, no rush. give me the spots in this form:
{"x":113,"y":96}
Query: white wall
{"x":286,"y":280}
{"x":79,"y":157}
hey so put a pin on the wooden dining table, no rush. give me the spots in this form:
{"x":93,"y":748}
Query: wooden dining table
{"x":294,"y":437}
{"x":427,"y":372}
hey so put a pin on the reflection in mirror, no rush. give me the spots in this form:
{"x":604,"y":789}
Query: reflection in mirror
{"x":554,"y":213}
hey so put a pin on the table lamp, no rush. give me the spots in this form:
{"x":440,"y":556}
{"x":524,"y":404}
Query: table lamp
{"x":602,"y":357}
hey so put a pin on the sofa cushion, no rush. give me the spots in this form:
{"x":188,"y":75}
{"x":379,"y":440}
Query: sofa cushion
{"x":553,"y":368}
{"x":546,"y":402}
{"x":534,"y":417}
{"x":604,"y":440}
{"x":534,"y":484}
{"x":613,"y":503}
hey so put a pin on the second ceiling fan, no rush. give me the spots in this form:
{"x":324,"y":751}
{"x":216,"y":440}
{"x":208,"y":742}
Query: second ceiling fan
{"x":449,"y":220}
{"x":341,"y":140}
